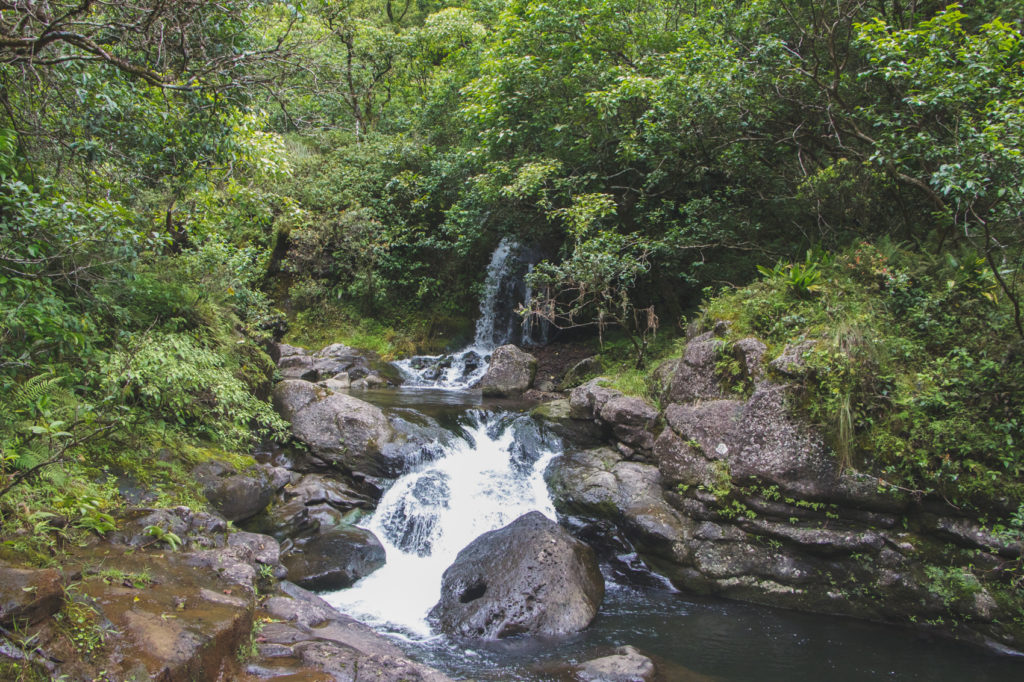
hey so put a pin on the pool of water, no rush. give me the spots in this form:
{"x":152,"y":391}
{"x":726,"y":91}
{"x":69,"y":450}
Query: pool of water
{"x":712,"y":639}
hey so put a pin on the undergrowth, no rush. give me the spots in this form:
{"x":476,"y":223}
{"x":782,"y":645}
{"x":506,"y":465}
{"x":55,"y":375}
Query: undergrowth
{"x":910,"y":365}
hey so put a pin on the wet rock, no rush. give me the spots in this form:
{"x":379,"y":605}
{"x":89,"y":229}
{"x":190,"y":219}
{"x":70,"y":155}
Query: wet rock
{"x":511,"y":372}
{"x":314,"y":489}
{"x":179,"y":623}
{"x":313,"y":636}
{"x":242,"y":559}
{"x":335,"y":558}
{"x":28,"y":595}
{"x":309,"y":637}
{"x":199,"y":529}
{"x":238,"y":496}
{"x":530,"y":577}
{"x":968,"y":533}
{"x":412,"y":523}
{"x":470,"y":362}
{"x":625,"y":665}
{"x":343,"y":431}
{"x":692,"y":377}
{"x":369,"y":381}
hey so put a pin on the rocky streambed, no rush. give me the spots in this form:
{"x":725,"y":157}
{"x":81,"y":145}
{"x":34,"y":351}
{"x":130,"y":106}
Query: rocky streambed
{"x":443,"y":505}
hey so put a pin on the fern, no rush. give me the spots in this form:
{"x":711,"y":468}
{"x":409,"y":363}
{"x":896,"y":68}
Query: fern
{"x":41,"y":393}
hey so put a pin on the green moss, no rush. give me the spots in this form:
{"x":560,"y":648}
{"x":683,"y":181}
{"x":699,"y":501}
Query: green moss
{"x":397,"y":336}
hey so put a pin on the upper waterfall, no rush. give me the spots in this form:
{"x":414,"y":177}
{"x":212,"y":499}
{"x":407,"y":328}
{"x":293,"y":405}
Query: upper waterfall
{"x":498,"y":323}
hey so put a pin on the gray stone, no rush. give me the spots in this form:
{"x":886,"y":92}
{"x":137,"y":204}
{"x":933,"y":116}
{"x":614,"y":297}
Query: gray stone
{"x":792,"y":361}
{"x":597,"y":483}
{"x":297,"y":367}
{"x":632,"y":421}
{"x":335,"y":558}
{"x":578,"y":372}
{"x":315,"y":639}
{"x":279,"y":351}
{"x":511,"y":372}
{"x":757,"y":440}
{"x":292,"y":395}
{"x":625,"y":665}
{"x":692,"y":377}
{"x":530,"y":577}
{"x":237,"y":496}
{"x":749,"y":352}
{"x":586,"y":401}
{"x":343,"y":431}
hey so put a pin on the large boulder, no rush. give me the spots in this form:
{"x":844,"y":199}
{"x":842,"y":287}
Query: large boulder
{"x":530,"y":577}
{"x":511,"y":372}
{"x":334,"y":559}
{"x":238,"y":495}
{"x":344,"y":432}
{"x":292,"y":395}
{"x":599,"y":484}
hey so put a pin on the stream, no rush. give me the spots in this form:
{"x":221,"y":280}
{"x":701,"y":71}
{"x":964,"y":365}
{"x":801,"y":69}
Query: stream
{"x":487,"y":471}
{"x":482,"y":467}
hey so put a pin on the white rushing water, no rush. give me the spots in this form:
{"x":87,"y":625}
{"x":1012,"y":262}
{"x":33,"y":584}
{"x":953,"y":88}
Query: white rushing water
{"x":496,"y":325}
{"x":482,"y":480}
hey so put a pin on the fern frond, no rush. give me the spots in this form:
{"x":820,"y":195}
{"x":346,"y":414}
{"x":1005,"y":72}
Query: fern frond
{"x":35,"y":389}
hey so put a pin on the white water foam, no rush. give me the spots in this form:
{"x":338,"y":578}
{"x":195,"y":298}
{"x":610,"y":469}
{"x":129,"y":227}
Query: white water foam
{"x":482,"y":482}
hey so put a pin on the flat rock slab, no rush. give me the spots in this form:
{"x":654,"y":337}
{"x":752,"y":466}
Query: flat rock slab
{"x":181,"y":624}
{"x":28,"y":595}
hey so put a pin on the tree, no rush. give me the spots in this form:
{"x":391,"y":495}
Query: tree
{"x":955,"y":130}
{"x":593,"y":285}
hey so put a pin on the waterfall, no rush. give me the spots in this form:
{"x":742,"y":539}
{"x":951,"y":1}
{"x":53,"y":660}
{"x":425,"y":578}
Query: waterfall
{"x":484,"y":479}
{"x":498,"y":323}
{"x":488,"y":334}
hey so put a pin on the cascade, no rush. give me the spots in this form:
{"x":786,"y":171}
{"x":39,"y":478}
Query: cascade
{"x":483,"y":479}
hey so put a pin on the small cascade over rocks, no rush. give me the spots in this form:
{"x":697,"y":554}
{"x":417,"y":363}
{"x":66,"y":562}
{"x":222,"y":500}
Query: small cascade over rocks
{"x":505,"y":289}
{"x":490,"y":474}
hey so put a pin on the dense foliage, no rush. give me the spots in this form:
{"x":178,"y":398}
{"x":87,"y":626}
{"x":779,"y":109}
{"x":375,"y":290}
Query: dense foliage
{"x":170,"y":172}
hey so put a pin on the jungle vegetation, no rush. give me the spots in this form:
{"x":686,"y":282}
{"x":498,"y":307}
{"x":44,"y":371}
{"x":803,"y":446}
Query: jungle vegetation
{"x":181,"y":181}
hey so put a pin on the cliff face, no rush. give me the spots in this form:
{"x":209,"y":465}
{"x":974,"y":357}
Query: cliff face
{"x":735,"y":494}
